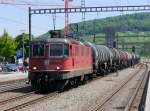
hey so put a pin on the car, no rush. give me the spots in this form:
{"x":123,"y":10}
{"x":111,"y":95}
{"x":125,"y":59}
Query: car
{"x":11,"y":67}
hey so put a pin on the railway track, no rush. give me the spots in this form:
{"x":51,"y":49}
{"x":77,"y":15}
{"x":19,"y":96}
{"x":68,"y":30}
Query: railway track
{"x":38,"y":99}
{"x":134,"y":102}
{"x":111,"y":94}
{"x":13,"y":85}
{"x":28,"y":103}
{"x":12,"y":81}
{"x":17,"y":97}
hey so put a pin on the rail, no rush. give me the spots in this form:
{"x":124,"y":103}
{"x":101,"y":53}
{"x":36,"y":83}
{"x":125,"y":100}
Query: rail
{"x":115,"y":91}
{"x":16,"y":98}
{"x":130,"y":103}
{"x":29,"y":103}
{"x":144,"y":105}
{"x":10,"y":86}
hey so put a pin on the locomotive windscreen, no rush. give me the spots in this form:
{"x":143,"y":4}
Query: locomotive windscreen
{"x":58,"y":50}
{"x":38,"y":50}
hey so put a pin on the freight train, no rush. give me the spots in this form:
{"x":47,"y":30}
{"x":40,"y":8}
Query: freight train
{"x":58,"y":62}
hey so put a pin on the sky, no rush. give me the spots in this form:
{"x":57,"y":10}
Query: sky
{"x":14,"y":18}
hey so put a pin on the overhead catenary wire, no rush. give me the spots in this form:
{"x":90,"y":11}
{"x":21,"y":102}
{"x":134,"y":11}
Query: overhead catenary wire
{"x":83,"y":16}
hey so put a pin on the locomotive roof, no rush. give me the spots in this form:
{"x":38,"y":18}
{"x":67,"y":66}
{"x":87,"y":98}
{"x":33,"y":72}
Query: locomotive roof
{"x":64,"y":40}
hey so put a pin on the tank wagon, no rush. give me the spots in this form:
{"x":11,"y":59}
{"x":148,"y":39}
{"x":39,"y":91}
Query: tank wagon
{"x":102,"y":58}
{"x":58,"y":62}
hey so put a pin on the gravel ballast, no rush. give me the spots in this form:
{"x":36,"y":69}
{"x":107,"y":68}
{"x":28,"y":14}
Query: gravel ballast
{"x":119,"y":101}
{"x":84,"y":96}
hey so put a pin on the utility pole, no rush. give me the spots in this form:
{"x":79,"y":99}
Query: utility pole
{"x":83,"y":15}
{"x":66,"y":31}
{"x":30,"y":15}
{"x":94,"y":31}
{"x":66,"y":3}
{"x":23,"y":46}
{"x":23,"y":35}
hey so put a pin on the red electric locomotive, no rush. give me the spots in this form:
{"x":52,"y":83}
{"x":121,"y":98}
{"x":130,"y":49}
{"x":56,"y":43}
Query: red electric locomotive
{"x":55,"y":62}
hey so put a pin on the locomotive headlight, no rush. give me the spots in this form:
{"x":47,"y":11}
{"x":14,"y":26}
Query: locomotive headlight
{"x":58,"y":68}
{"x":34,"y":68}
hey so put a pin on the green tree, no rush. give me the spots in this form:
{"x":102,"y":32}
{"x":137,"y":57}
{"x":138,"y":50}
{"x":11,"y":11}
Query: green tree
{"x":7,"y":46}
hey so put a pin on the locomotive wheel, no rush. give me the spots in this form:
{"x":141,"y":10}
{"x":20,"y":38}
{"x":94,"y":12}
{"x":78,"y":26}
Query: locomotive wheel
{"x":34,"y":84}
{"x":58,"y":85}
{"x":85,"y":80}
{"x":73,"y":83}
{"x":77,"y":82}
{"x":98,"y":74}
{"x":102,"y":72}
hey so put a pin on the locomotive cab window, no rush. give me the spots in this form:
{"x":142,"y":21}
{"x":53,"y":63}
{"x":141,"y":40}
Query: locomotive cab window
{"x":38,"y":50}
{"x":58,"y":49}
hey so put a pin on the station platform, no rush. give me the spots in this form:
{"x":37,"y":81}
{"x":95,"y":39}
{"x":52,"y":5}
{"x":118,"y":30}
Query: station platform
{"x":11,"y":76}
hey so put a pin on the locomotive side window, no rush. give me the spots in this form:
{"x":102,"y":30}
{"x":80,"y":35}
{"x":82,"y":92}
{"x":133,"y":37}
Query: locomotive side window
{"x":38,"y":50}
{"x":70,"y":50}
{"x":87,"y":53}
{"x":66,"y":50}
{"x":76,"y":51}
{"x":82,"y":51}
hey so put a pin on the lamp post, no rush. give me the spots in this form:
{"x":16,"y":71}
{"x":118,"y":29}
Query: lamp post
{"x":23,"y":46}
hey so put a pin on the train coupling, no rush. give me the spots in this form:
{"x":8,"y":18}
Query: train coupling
{"x":46,"y":78}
